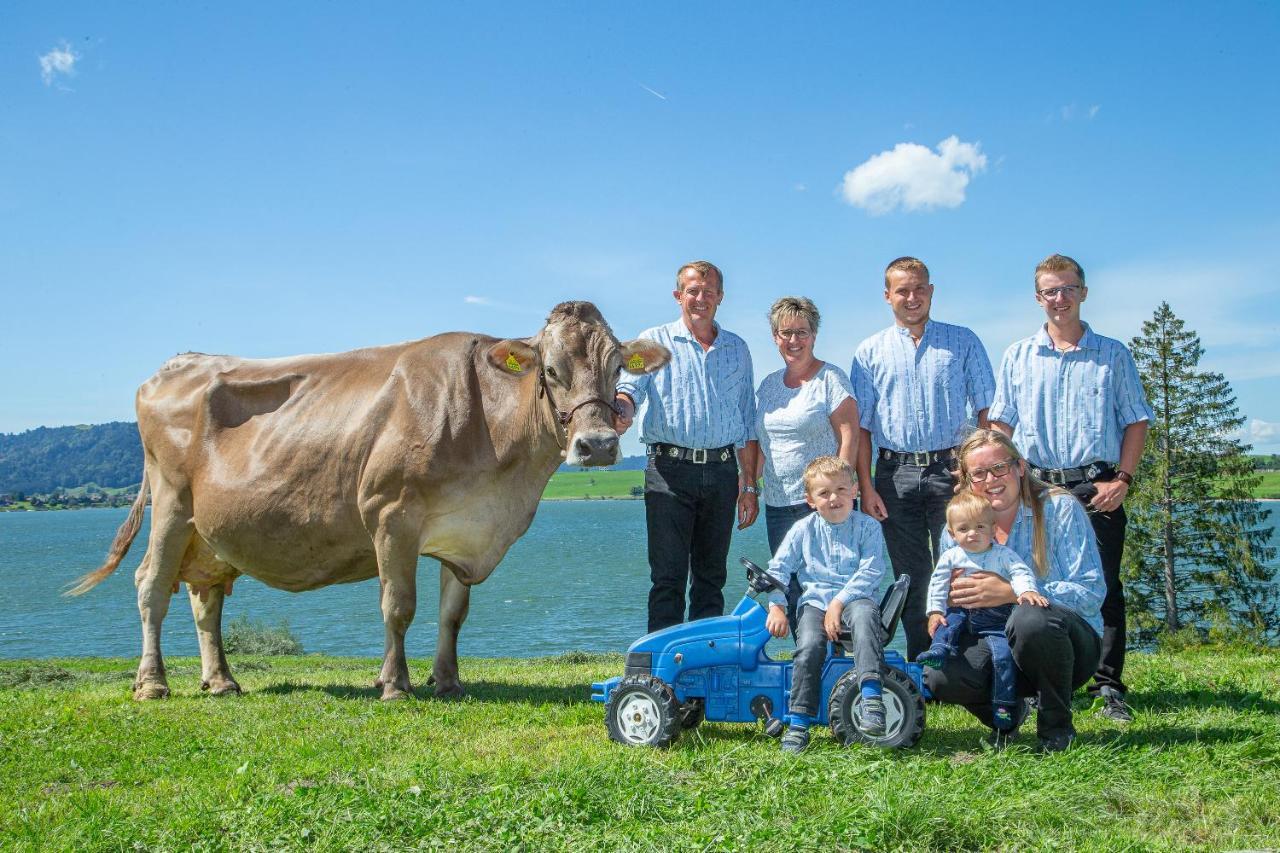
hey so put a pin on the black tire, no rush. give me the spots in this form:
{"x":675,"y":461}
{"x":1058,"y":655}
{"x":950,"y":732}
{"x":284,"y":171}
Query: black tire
{"x":692,"y":714}
{"x":643,"y":711}
{"x":903,"y":704}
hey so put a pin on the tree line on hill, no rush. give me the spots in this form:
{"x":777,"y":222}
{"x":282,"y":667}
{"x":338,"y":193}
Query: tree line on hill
{"x":45,"y":460}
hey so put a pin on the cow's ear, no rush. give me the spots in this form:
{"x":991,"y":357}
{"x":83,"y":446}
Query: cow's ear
{"x":641,"y":356}
{"x":514,"y":357}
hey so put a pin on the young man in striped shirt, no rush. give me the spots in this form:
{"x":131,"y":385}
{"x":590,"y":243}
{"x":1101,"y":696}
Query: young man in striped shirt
{"x":916,"y":383}
{"x":1074,"y":405}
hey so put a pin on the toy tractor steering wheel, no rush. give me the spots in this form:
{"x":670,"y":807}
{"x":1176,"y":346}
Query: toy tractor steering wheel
{"x":759,"y":580}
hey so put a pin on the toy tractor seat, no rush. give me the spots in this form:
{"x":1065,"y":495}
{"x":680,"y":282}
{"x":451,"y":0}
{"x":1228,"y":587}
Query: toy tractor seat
{"x":895,"y":598}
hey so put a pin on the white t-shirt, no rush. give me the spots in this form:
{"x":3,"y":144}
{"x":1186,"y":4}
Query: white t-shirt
{"x":794,"y":427}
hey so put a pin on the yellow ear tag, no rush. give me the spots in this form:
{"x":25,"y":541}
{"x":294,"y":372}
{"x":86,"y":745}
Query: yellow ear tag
{"x":513,"y":365}
{"x":636,"y":362}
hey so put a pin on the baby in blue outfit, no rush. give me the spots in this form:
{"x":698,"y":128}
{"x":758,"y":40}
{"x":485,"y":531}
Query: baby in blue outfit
{"x":971,"y":523}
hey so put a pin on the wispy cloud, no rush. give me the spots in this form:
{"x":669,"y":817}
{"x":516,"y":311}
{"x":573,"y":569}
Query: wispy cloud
{"x":1074,"y":112}
{"x":914,"y":177}
{"x":656,"y":94}
{"x":57,"y":63}
{"x":486,"y":302}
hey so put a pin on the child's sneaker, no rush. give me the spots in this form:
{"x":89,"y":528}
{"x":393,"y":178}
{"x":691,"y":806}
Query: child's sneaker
{"x":1003,"y":717}
{"x":871,"y":720}
{"x":932,"y":658}
{"x":795,"y":739}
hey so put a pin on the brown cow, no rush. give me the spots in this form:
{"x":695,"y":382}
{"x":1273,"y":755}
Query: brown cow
{"x":320,"y":469}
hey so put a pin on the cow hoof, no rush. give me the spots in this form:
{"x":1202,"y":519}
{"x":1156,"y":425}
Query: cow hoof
{"x":222,"y":687}
{"x":391,"y":693}
{"x":150,"y":690}
{"x":449,"y":691}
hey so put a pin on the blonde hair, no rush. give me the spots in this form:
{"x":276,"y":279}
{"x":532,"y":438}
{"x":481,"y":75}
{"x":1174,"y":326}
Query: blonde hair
{"x":825,"y":466}
{"x":1031,"y":492}
{"x":704,"y":269}
{"x":794,"y":306}
{"x":967,"y":506}
{"x":905,"y":264}
{"x":1059,"y":263}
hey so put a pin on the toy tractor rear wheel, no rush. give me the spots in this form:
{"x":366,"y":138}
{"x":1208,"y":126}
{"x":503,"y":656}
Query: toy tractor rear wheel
{"x":903,"y":706}
{"x":643,"y":711}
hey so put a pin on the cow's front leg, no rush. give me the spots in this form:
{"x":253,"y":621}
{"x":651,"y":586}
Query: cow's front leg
{"x":397,"y":572}
{"x":455,"y":600}
{"x":206,"y":607}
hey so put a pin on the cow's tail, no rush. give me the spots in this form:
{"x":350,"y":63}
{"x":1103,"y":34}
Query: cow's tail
{"x":124,"y":538}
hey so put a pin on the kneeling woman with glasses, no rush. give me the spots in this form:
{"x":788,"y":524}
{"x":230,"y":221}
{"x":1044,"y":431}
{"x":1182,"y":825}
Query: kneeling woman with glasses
{"x":1056,"y":649}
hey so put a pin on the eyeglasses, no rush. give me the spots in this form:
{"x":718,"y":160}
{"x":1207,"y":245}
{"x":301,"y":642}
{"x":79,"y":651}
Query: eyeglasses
{"x":999,"y":469}
{"x":1067,"y":290}
{"x":794,"y":334}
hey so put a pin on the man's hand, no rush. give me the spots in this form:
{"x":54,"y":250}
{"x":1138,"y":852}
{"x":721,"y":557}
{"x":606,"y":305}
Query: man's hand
{"x":936,"y":621}
{"x":1110,"y":495}
{"x":872,"y":505}
{"x":831,"y":624}
{"x":624,"y":411}
{"x":1033,"y":597}
{"x":748,"y":509}
{"x":981,"y":589}
{"x":776,"y":621}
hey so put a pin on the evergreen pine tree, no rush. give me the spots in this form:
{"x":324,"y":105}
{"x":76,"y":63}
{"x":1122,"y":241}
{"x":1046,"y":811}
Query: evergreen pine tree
{"x":1197,"y":553}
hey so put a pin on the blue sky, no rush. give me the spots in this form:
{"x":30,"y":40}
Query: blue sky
{"x":270,"y":179}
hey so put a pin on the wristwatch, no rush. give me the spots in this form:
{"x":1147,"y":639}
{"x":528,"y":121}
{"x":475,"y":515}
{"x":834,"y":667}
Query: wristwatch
{"x":751,"y":489}
{"x":1125,"y":477}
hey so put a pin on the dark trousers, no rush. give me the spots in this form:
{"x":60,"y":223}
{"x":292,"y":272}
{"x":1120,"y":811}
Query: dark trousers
{"x":861,"y":618}
{"x":689,"y":512}
{"x":1109,"y":528}
{"x":989,"y":623}
{"x":777,"y":521}
{"x":1056,"y":651}
{"x":916,"y":499}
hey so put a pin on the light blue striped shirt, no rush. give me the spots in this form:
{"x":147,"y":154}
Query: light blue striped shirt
{"x":844,"y":561}
{"x":703,"y":398}
{"x":1069,"y":408}
{"x":794,"y":427}
{"x":912,"y":398}
{"x":997,"y":559}
{"x":1074,"y":579}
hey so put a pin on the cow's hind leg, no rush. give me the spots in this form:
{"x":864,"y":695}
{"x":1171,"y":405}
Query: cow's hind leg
{"x":170,"y":532}
{"x":206,"y":607}
{"x":397,"y":571}
{"x":455,"y":600}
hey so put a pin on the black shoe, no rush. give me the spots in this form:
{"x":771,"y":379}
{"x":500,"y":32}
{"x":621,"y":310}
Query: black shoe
{"x":997,"y":740}
{"x":795,"y":740}
{"x":1114,"y":707}
{"x":871,"y":720}
{"x":1056,"y":743}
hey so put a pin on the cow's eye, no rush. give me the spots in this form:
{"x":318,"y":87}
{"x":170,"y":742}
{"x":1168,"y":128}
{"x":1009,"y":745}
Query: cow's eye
{"x":551,"y":371}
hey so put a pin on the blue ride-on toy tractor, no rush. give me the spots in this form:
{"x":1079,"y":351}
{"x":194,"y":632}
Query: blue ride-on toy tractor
{"x":717,"y":669}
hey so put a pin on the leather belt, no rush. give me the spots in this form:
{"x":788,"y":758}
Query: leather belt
{"x":698,"y":456}
{"x":1062,"y":476}
{"x":922,"y":459}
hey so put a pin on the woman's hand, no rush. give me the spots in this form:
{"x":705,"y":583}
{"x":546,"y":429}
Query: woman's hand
{"x":981,"y":589}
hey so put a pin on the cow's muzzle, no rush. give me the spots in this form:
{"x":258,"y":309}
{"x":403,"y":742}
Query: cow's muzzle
{"x":596,"y":447}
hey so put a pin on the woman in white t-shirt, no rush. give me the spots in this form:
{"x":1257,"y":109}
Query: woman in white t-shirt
{"x":803,"y":411}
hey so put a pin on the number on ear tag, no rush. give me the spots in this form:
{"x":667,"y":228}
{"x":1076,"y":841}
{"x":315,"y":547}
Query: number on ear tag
{"x":513,"y":365}
{"x":636,"y":362}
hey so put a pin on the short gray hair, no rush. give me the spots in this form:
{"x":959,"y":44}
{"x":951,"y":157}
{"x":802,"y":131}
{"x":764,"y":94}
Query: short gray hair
{"x":794,"y":306}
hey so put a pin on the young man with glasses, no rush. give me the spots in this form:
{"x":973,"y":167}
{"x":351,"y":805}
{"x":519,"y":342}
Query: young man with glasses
{"x":916,"y":383}
{"x":1074,"y":405}
{"x":699,"y":417}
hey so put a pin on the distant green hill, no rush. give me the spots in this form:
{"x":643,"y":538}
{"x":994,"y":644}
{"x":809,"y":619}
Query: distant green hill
{"x":45,"y":459}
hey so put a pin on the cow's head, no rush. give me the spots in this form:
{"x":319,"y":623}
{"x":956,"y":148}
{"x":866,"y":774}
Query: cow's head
{"x":576,"y":361}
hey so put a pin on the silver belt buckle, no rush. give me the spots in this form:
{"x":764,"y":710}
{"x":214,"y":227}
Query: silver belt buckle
{"x":700,"y":456}
{"x":917,"y":456}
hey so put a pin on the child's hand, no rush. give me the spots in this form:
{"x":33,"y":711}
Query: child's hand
{"x":1033,"y":597}
{"x":936,"y":621}
{"x":831,"y":622}
{"x":776,"y":621}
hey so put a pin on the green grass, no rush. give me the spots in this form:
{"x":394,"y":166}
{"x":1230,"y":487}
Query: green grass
{"x":571,"y":485}
{"x":1269,"y":488}
{"x":309,"y":757}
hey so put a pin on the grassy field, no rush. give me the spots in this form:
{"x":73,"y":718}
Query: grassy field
{"x":309,"y":757}
{"x":1269,"y":488}
{"x":577,"y":485}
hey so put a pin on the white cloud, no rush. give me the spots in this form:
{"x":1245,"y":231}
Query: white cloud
{"x":653,"y":92}
{"x":59,"y":62}
{"x":486,"y":302}
{"x":913,"y":177}
{"x":1093,"y":110}
{"x":1263,"y":432}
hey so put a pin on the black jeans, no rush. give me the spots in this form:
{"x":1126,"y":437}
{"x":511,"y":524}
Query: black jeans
{"x":1056,"y":651}
{"x":777,"y":521}
{"x":1109,"y":528}
{"x":689,"y":511}
{"x":916,"y":500}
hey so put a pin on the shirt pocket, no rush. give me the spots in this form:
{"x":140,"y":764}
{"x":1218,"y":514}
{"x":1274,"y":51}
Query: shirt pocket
{"x":1091,"y":403}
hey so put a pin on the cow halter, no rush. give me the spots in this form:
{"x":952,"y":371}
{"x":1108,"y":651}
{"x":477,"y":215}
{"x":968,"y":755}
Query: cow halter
{"x":563,"y":417}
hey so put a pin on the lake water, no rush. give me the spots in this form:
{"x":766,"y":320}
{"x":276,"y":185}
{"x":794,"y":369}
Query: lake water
{"x":578,"y":580}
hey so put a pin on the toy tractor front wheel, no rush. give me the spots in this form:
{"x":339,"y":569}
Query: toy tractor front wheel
{"x":903,"y":706}
{"x":643,"y":711}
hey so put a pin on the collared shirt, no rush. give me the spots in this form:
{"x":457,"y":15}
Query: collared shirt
{"x":1074,"y":578}
{"x":703,"y":398}
{"x":794,"y":427}
{"x":912,"y":397}
{"x":841,"y":561}
{"x":1069,"y":408}
{"x":997,"y":559}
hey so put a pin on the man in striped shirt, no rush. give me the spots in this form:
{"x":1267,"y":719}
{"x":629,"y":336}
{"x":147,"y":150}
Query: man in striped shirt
{"x":916,"y":383}
{"x":1073,"y":403}
{"x":699,"y":415}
